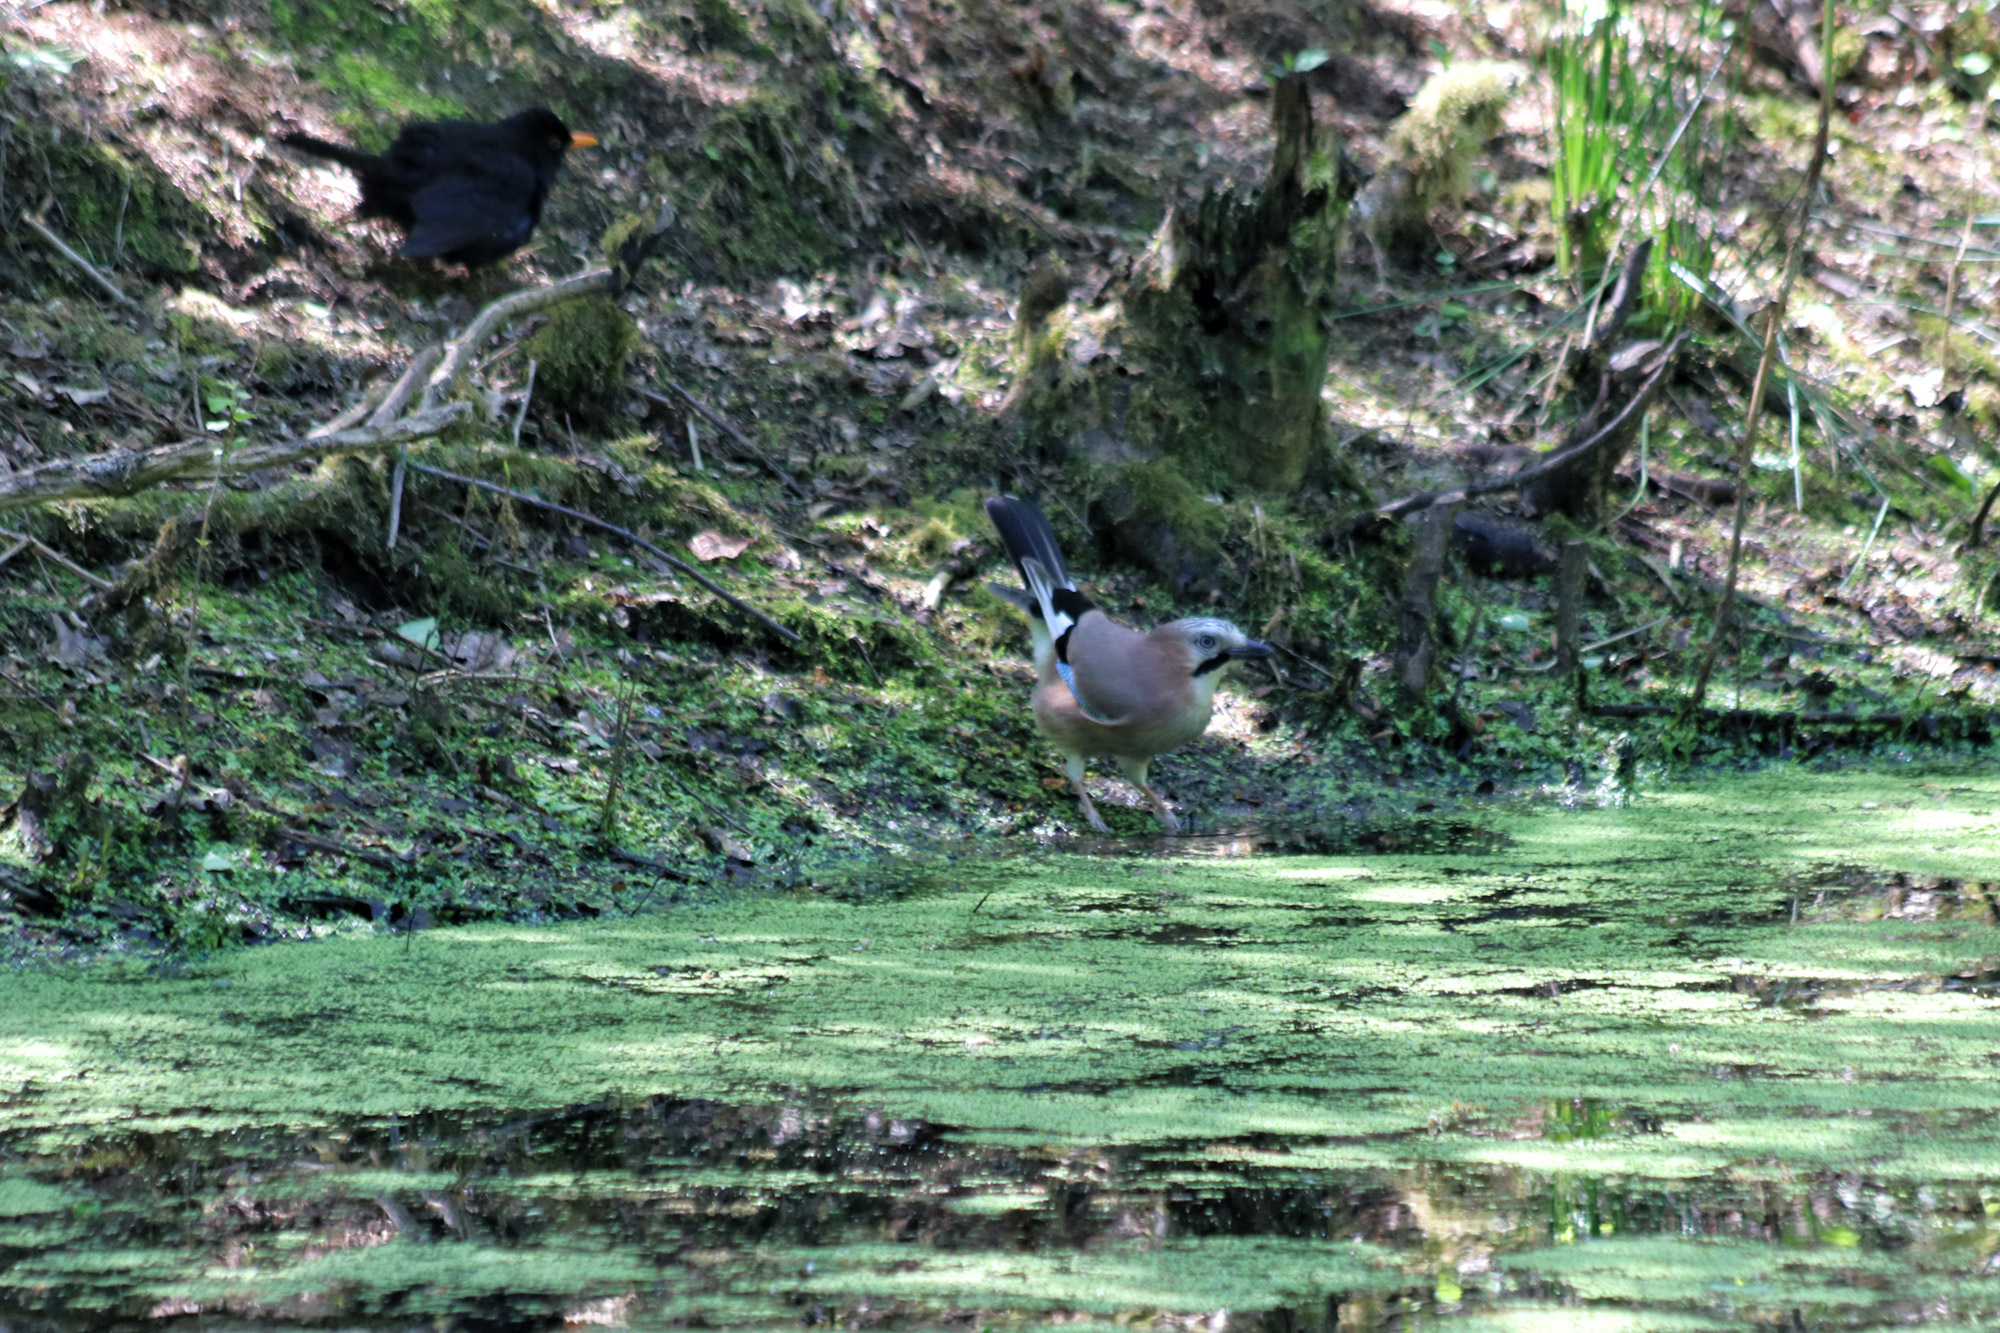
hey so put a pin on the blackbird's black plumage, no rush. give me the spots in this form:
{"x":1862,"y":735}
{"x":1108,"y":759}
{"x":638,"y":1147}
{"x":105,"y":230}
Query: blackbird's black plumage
{"x":465,"y":191}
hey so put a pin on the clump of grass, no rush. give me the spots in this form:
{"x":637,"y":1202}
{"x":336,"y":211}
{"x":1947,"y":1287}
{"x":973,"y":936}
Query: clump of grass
{"x":1631,"y":155}
{"x":932,"y":540}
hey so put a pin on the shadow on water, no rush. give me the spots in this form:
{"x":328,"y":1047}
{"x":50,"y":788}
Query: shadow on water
{"x":697,"y":1214}
{"x":1428,"y":834}
{"x":925,"y":868}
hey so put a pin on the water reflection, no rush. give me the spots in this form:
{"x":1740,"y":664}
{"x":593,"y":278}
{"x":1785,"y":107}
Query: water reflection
{"x":696,"y":1214}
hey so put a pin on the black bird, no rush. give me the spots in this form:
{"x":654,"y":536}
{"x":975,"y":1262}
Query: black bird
{"x":465,"y":191}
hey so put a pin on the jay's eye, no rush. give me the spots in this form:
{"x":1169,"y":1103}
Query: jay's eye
{"x":1207,"y":642}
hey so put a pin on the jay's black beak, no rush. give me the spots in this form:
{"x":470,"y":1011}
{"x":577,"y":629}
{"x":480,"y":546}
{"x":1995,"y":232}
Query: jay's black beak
{"x":1251,"y":650}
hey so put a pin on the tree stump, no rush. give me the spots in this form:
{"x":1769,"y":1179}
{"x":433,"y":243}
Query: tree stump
{"x":1417,"y":607}
{"x":1207,"y":358}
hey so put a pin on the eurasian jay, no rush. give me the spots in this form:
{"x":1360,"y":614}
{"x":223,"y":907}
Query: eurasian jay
{"x":1102,"y":690}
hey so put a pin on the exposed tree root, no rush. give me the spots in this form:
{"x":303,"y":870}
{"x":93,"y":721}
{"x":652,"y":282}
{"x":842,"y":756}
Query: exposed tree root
{"x":1614,"y":430}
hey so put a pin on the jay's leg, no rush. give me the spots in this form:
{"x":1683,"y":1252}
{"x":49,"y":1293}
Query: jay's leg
{"x":1135,"y":773}
{"x":1074,"y":765}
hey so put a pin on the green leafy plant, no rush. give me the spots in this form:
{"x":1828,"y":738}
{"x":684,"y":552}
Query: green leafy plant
{"x":228,"y":405}
{"x":1299,"y":62}
{"x":1632,"y":153}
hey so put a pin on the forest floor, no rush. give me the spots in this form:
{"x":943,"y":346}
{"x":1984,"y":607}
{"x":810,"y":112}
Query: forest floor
{"x":509,"y":713}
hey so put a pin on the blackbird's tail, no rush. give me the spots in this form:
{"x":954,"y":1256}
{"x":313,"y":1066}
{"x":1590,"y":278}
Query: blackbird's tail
{"x":352,"y":158}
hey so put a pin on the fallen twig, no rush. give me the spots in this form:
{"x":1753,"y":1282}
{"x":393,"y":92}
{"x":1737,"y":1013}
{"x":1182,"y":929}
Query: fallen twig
{"x":1660,"y":572}
{"x":391,"y":408}
{"x":1606,"y":643}
{"x":671,"y":561}
{"x":1979,"y":519}
{"x":313,"y":840}
{"x":1301,"y":657}
{"x":89,"y":269}
{"x":349,"y":417}
{"x":399,"y":394}
{"x":1725,"y":610}
{"x":722,"y":424}
{"x":489,"y":321}
{"x":1626,"y":634}
{"x":128,"y":471}
{"x":47,"y":552}
{"x":660,"y":868}
{"x":175,"y":770}
{"x":527,"y":396}
{"x":1783,"y":717}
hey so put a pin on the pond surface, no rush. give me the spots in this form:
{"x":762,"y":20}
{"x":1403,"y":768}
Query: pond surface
{"x":1726,"y":1056}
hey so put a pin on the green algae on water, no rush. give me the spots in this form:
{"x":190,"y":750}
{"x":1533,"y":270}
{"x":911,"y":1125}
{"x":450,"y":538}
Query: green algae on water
{"x":1100,"y":1087}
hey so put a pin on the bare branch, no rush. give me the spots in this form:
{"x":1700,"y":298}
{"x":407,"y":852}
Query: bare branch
{"x":1725,"y":609}
{"x":391,"y":408}
{"x":1556,"y":460}
{"x":350,"y":416}
{"x":493,"y":317}
{"x":129,"y":471}
{"x":48,"y":552}
{"x":89,"y":269}
{"x":722,"y":424}
{"x":398,"y":397}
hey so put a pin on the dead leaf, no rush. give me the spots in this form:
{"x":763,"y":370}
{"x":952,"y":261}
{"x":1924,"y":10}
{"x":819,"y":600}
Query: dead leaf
{"x":712,"y":545}
{"x":82,"y":397}
{"x":477,"y":650}
{"x":72,"y":647}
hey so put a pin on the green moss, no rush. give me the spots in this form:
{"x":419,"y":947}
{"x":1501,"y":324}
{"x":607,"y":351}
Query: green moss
{"x":1430,"y":151}
{"x":1572,"y":1049}
{"x":379,"y":64}
{"x":1648,"y":903}
{"x":719,"y":25}
{"x":933,"y":539}
{"x":1229,"y":389}
{"x":581,"y":352}
{"x":116,"y":208}
{"x":1160,"y":520}
{"x":22,"y":1197}
{"x":776,"y":175}
{"x":772,"y":186}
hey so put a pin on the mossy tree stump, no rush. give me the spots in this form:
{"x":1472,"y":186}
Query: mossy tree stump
{"x":1210,"y":354}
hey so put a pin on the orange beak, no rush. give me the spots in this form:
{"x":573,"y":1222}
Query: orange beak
{"x":583,"y":141}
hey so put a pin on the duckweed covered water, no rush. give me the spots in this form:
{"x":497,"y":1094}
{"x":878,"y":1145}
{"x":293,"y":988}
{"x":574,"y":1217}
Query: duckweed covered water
{"x":1723,"y":1057}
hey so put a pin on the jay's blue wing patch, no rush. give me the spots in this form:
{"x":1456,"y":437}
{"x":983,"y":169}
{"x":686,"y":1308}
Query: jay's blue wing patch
{"x":1068,"y":674}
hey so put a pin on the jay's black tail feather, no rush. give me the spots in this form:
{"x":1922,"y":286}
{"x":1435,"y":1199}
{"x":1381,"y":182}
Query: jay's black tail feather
{"x":1025,"y":531}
